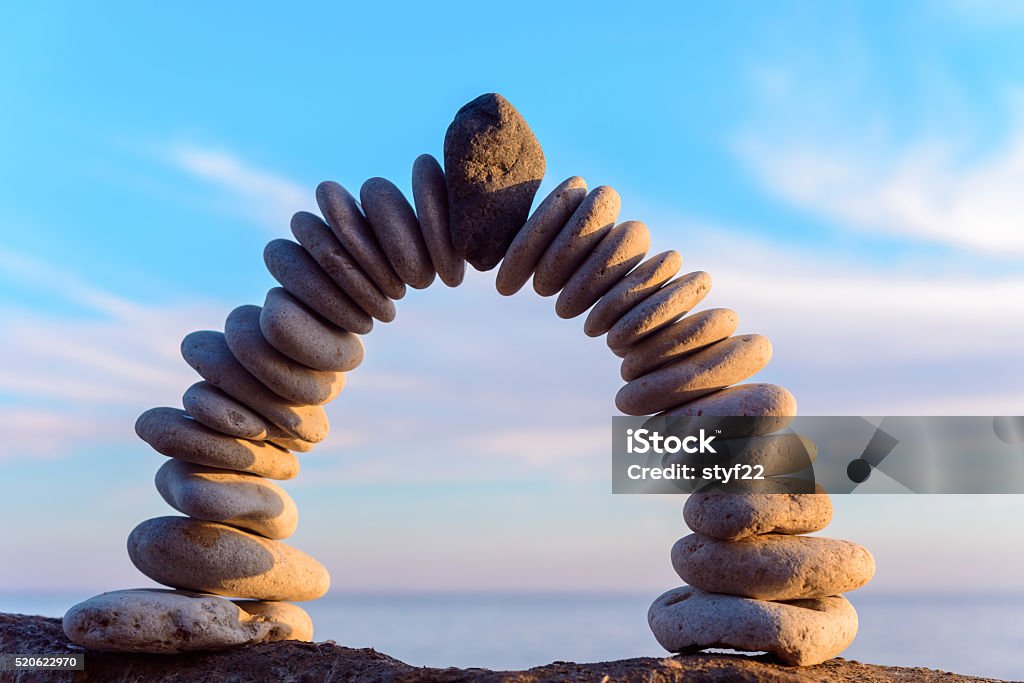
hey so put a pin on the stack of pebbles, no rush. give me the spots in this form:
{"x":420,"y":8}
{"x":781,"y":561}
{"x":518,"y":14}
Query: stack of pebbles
{"x":266,"y":378}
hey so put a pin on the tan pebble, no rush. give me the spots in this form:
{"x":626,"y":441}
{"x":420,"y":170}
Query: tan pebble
{"x":213,"y":408}
{"x":631,"y":290}
{"x":677,"y":340}
{"x":734,"y":516}
{"x":350,"y":227}
{"x":173,"y":433}
{"x":764,"y":408}
{"x":800,"y":632}
{"x":616,"y":254}
{"x":285,"y":620}
{"x":192,"y":554}
{"x":719,"y":365}
{"x":773,"y":566}
{"x":659,"y":309}
{"x":316,"y":238}
{"x":241,"y":500}
{"x":537,"y":235}
{"x":776,"y":454}
{"x":592,"y":220}
{"x":398,"y":232}
{"x":303,"y":336}
{"x":297,"y":445}
{"x":430,"y":194}
{"x":290,"y":380}
{"x":158,"y":621}
{"x":295,"y":269}
{"x":208,"y":354}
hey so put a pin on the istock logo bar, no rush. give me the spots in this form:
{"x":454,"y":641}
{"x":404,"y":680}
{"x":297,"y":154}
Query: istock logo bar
{"x":818,"y":454}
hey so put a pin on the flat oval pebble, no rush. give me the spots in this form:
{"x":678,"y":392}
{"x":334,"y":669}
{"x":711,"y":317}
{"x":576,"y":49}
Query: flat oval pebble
{"x":766,"y":408}
{"x":295,"y":269}
{"x":724,"y":363}
{"x":799,"y":633}
{"x":677,"y":340}
{"x":659,"y":309}
{"x":775,"y":454}
{"x":157,"y":621}
{"x":316,"y":238}
{"x":773,"y":566}
{"x":648,"y":277}
{"x":191,"y":554}
{"x":430,"y":195}
{"x":173,"y":433}
{"x":303,"y":336}
{"x":536,"y":236}
{"x":735,"y":516}
{"x":616,"y":254}
{"x":287,"y":378}
{"x":241,"y":500}
{"x":208,"y":354}
{"x":213,"y":408}
{"x":398,"y":232}
{"x":350,"y":227}
{"x":590,"y":222}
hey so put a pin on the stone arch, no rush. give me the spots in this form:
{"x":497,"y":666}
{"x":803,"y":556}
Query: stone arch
{"x":266,"y":377}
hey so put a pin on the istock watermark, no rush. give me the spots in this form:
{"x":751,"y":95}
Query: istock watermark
{"x":818,"y":454}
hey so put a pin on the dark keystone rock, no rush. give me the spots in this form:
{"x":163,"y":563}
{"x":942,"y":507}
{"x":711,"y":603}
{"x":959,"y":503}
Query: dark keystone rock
{"x":493,"y":167}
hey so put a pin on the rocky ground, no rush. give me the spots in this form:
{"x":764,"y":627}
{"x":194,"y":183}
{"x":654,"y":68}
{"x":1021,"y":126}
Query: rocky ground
{"x":295,"y":661}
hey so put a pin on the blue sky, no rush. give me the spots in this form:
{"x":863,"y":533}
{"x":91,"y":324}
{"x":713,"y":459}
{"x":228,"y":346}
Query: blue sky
{"x":849,"y":173}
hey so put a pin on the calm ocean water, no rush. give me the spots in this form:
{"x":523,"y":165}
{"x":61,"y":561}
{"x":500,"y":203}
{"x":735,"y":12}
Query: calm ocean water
{"x":970,"y":634}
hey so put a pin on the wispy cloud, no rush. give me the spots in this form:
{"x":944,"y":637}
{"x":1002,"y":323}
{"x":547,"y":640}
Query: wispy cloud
{"x":75,"y":380}
{"x":265,"y":196}
{"x":855,"y":338}
{"x":921,"y":191}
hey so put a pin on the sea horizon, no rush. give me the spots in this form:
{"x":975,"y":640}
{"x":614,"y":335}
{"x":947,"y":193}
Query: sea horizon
{"x":973,"y":633}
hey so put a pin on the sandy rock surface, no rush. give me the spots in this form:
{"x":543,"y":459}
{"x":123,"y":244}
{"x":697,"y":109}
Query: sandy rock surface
{"x":292,"y":662}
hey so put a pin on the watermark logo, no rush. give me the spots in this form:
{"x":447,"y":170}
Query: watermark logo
{"x":809,"y":454}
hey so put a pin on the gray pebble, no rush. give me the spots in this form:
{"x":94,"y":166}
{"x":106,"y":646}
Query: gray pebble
{"x":616,"y":254}
{"x":241,"y":500}
{"x":213,"y":408}
{"x":800,"y":633}
{"x":350,"y":227}
{"x":773,"y":566}
{"x":430,"y":195}
{"x":678,"y":340}
{"x":158,"y":621}
{"x":659,"y":309}
{"x":316,"y":238}
{"x":191,"y":554}
{"x":290,"y":380}
{"x":295,"y":269}
{"x":303,"y":336}
{"x":593,"y":219}
{"x":734,"y":516}
{"x":173,"y":433}
{"x":705,"y":372}
{"x":540,"y":230}
{"x":208,"y":354}
{"x":631,"y":290}
{"x":398,"y":232}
